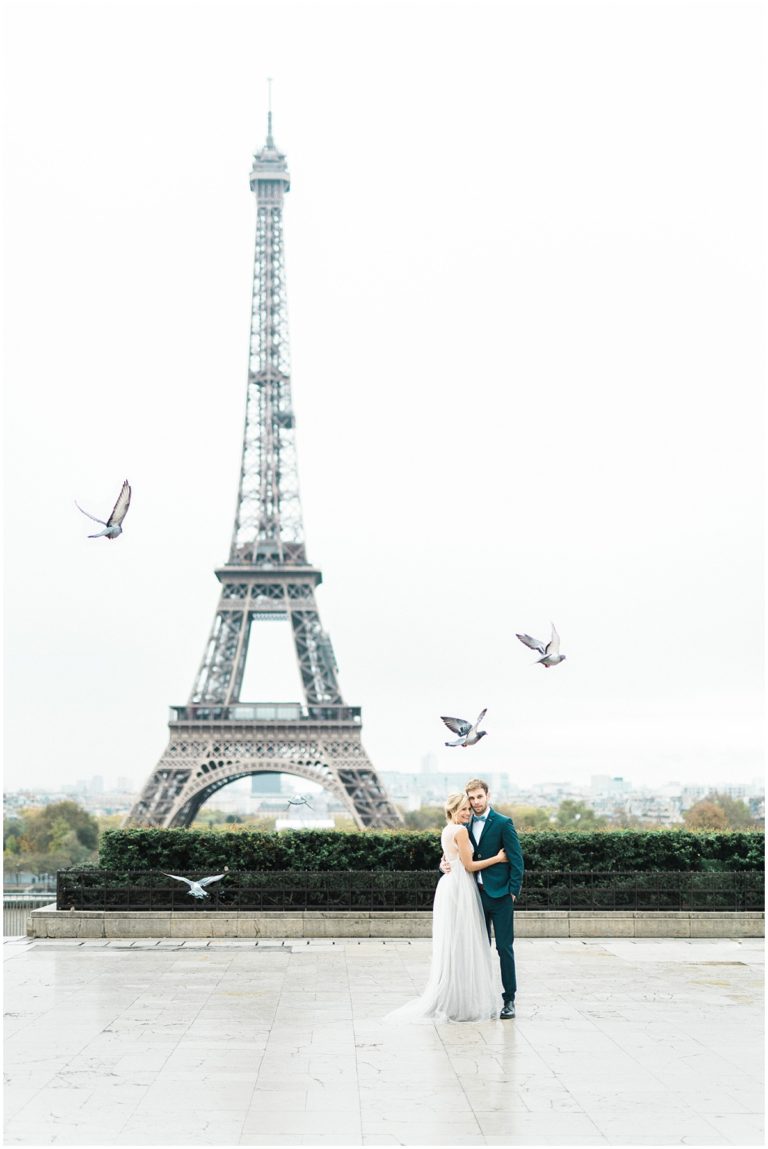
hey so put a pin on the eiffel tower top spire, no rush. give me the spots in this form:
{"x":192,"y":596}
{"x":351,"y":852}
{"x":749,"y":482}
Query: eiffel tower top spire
{"x":269,"y":163}
{"x":268,"y":523}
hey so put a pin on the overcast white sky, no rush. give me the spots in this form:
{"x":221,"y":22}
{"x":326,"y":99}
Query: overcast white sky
{"x":525,"y":279}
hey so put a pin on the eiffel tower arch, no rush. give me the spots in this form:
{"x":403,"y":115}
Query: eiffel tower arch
{"x":216,"y":737}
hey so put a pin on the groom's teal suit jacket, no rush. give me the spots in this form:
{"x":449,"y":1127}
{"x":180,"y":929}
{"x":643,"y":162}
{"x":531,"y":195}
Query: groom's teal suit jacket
{"x":505,"y":877}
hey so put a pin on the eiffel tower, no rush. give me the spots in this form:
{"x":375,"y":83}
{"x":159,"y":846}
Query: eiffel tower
{"x":216,"y":738}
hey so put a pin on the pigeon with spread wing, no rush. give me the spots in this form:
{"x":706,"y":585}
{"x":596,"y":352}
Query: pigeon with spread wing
{"x":300,"y":800}
{"x":195,"y":888}
{"x":550,"y":651}
{"x":468,"y":734}
{"x":114,"y":524}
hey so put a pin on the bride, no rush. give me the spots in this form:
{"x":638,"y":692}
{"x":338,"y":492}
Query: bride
{"x":462,"y":978}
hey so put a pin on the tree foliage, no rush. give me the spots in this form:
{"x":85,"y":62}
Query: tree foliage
{"x":572,"y":815}
{"x":705,"y":815}
{"x":49,"y":838}
{"x":210,"y":819}
{"x":526,"y":817}
{"x":425,"y":818}
{"x":738,"y":814}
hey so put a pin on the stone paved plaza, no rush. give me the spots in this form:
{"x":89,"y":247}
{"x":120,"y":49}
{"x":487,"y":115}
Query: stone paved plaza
{"x":616,"y":1042}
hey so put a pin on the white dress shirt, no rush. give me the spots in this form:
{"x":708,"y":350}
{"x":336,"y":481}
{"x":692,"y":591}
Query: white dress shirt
{"x":477,"y":831}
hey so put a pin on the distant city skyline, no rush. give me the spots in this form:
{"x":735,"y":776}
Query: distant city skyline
{"x":99,"y":784}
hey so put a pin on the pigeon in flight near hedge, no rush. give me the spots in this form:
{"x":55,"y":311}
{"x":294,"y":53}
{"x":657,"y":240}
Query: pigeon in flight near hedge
{"x":113,"y":526}
{"x":551,"y":651}
{"x":195,"y":888}
{"x":468,"y":734}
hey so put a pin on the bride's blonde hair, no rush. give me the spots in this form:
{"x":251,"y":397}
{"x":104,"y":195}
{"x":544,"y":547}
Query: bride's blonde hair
{"x":453,"y":803}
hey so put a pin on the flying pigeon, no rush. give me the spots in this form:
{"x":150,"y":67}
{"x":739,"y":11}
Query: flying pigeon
{"x":300,"y":800}
{"x":195,"y":888}
{"x":551,"y":651}
{"x":113,"y":525}
{"x":468,"y":734}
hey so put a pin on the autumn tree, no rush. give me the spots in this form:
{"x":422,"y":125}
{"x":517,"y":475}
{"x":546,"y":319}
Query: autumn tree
{"x":705,"y":815}
{"x":49,"y":838}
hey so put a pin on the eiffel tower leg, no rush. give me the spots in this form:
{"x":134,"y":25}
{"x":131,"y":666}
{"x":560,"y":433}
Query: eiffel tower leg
{"x":365,"y":794}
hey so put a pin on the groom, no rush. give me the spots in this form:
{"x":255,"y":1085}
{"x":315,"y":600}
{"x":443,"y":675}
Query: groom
{"x":499,"y":885}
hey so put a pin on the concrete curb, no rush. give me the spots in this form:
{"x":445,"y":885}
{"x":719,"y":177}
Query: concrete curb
{"x":48,"y":922}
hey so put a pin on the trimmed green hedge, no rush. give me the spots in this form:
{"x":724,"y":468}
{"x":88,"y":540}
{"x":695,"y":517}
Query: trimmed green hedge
{"x":640,"y":851}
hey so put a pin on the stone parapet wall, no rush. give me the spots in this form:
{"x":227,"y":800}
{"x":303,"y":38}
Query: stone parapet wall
{"x":48,"y":922}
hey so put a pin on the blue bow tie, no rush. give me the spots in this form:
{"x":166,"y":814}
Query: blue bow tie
{"x":479,"y":817}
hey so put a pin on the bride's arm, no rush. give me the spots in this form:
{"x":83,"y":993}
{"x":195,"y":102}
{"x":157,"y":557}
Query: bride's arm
{"x":465,"y":853}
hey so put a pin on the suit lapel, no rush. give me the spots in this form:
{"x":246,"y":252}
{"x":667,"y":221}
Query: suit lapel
{"x":489,"y":821}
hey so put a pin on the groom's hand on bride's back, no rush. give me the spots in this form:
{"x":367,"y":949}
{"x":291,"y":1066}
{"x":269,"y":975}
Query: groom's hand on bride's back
{"x":445,"y":867}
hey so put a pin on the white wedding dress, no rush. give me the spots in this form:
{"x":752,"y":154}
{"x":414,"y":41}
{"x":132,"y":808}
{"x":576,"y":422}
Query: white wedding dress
{"x":464,"y":982}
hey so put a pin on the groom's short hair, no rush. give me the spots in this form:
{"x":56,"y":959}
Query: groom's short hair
{"x":474,"y":783}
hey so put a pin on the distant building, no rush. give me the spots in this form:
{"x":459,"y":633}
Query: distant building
{"x":609,"y":786}
{"x":649,"y":806}
{"x":739,"y":791}
{"x":757,"y":806}
{"x":267,"y":784}
{"x":553,"y":793}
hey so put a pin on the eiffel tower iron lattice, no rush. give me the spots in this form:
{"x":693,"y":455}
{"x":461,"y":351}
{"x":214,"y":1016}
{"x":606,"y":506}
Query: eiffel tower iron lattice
{"x":217,"y":738}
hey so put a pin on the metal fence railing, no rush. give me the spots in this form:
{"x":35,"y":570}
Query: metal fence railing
{"x":725,"y":891}
{"x":407,"y":890}
{"x":16,"y":909}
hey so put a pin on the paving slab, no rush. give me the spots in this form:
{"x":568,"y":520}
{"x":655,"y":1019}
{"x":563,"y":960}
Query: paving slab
{"x":280,"y":1041}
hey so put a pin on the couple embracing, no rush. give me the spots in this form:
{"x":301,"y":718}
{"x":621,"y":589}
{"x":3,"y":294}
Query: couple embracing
{"x":482,"y":869}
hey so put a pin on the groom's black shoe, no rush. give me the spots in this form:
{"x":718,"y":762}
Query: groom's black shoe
{"x":508,"y":1011}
